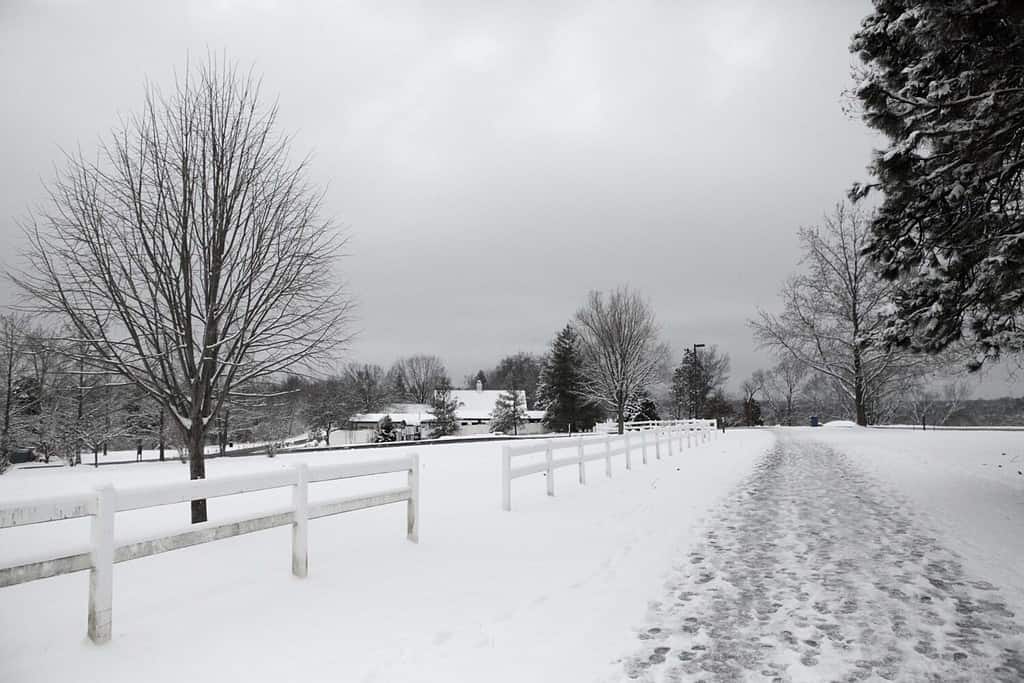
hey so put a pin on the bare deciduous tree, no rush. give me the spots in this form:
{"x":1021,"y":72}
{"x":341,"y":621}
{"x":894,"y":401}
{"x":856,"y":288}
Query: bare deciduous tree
{"x":367,"y":387}
{"x":927,"y":403}
{"x":833,"y":315}
{"x":750,"y":388}
{"x":416,"y":377}
{"x":190,"y":257}
{"x":621,"y":352}
{"x":327,"y":407}
{"x":12,"y":360}
{"x":782,"y":386}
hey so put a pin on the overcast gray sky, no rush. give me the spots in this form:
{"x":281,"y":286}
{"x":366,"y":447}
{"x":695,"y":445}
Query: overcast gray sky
{"x":494,"y":162}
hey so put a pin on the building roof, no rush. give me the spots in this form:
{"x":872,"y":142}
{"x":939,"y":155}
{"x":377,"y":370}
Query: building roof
{"x":474,"y":404}
{"x":408,"y":418}
{"x":478,"y":404}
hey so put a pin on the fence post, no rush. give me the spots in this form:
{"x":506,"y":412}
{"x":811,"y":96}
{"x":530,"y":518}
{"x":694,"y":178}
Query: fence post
{"x":608,"y":455}
{"x":101,"y":574}
{"x":506,"y":479}
{"x":643,"y":445}
{"x":548,"y":458}
{"x":412,"y":507}
{"x":582,"y":465}
{"x":629,"y":460}
{"x":300,"y":521}
{"x":688,"y":438}
{"x":657,"y":443}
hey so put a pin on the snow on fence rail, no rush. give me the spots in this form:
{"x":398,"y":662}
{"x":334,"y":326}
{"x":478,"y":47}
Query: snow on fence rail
{"x":590,"y":447}
{"x":105,"y":501}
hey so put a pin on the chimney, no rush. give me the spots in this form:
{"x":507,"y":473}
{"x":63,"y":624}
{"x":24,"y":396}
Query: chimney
{"x":479,"y":387}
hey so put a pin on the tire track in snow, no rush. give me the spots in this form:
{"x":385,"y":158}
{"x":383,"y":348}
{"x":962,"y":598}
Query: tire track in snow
{"x":810,"y":571}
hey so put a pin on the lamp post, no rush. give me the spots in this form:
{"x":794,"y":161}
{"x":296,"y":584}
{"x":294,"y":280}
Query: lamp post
{"x":696,"y":378}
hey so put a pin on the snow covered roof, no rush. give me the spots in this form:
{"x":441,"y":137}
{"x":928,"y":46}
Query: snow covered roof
{"x":407,"y":418}
{"x":478,"y":405}
{"x":535,"y":414}
{"x":474,"y":405}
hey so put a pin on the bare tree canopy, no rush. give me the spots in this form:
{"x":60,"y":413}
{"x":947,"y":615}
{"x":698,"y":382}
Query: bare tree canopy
{"x":621,"y":352}
{"x":190,"y":257}
{"x":834,"y":313}
{"x":782,"y":386}
{"x":366,"y":387}
{"x":415,"y":378}
{"x":931,"y":401}
{"x":521,"y":370}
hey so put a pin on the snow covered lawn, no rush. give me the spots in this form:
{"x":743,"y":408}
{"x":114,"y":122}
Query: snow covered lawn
{"x":553,"y":591}
{"x":814,"y":570}
{"x":968,"y":483}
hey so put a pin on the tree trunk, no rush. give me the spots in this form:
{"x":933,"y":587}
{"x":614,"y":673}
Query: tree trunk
{"x":224,"y":430}
{"x":858,"y":389}
{"x":197,"y":467}
{"x":327,"y":435}
{"x":620,"y":413}
{"x":5,"y":437}
{"x":161,"y":435}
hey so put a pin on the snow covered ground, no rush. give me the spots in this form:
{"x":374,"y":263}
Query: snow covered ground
{"x":849,"y":552}
{"x":554,"y":591}
{"x":816,"y":570}
{"x":969,"y":485}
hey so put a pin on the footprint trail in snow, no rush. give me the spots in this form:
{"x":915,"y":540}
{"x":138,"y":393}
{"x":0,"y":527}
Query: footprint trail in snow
{"x":810,"y":572}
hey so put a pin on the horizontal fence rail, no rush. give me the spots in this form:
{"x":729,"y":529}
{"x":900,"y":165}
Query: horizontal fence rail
{"x":645,"y":439}
{"x":102,"y":504}
{"x":613,"y":428}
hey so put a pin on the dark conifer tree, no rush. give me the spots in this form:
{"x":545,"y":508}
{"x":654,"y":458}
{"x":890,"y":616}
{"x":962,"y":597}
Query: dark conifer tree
{"x":509,"y":412}
{"x":944,"y":81}
{"x":386,"y":431}
{"x":558,"y":392}
{"x":647,"y":410}
{"x":443,"y":408}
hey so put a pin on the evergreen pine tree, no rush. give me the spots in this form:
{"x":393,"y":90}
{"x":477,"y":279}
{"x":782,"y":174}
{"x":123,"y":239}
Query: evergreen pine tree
{"x":509,"y":412}
{"x":647,"y":410}
{"x":443,"y":407}
{"x":558,"y":391}
{"x":386,"y":431}
{"x":944,"y":81}
{"x":697,"y":376}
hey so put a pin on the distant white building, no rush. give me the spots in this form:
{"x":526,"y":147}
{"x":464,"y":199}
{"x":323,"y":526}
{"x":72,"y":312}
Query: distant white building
{"x":476,"y":408}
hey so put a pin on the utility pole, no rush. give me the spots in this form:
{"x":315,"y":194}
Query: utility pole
{"x":696,"y":378}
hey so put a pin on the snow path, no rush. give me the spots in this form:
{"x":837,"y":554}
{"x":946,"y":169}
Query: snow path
{"x":811,"y":571}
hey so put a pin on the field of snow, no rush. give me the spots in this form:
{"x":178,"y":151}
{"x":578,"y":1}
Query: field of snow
{"x":553,"y":591}
{"x":969,"y":484}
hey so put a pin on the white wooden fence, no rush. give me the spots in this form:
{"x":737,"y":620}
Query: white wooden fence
{"x":640,"y":438}
{"x":613,"y":427}
{"x":104,"y":502}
